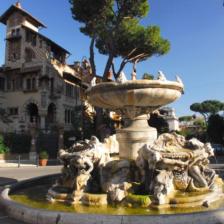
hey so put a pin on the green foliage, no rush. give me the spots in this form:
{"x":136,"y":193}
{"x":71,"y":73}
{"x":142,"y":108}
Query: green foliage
{"x":114,"y":27}
{"x":208,"y":106}
{"x":185,"y":118}
{"x":147,"y":76}
{"x":138,"y":200}
{"x":17,"y":143}
{"x":200,"y":123}
{"x":3,"y":147}
{"x":215,"y":129}
{"x":43,"y":154}
{"x":187,"y":133}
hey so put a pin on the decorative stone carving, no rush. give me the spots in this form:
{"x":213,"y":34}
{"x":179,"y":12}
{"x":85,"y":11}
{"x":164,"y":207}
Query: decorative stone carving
{"x":176,"y":164}
{"x":111,"y":144}
{"x":121,"y":78}
{"x":161,"y":76}
{"x":169,"y":165}
{"x":116,"y":179}
{"x":89,"y":110}
{"x":178,"y":79}
{"x":79,"y":162}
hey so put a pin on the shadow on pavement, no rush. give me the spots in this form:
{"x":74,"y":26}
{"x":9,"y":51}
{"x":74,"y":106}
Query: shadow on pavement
{"x":6,"y":181}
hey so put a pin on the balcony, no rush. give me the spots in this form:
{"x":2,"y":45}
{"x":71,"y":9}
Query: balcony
{"x":12,"y":37}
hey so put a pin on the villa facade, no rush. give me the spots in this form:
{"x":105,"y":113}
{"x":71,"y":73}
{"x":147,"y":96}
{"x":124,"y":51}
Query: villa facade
{"x":36,"y":85}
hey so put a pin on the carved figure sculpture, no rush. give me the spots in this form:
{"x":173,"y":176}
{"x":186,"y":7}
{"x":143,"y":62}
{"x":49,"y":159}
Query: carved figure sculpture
{"x":170,"y":164}
{"x":121,"y":78}
{"x":89,"y":110}
{"x":79,"y":161}
{"x":161,"y":76}
{"x":176,"y":164}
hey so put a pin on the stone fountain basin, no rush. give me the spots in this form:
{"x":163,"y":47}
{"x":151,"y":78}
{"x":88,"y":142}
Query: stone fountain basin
{"x":40,"y":216}
{"x":138,"y":93}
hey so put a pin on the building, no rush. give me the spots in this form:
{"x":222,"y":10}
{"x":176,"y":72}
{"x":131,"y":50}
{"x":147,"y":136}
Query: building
{"x":170,"y":117}
{"x":36,"y":85}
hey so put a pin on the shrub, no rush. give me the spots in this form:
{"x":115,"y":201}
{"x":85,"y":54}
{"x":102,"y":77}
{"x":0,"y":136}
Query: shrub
{"x":43,"y":154}
{"x":3,"y":147}
{"x":17,"y":143}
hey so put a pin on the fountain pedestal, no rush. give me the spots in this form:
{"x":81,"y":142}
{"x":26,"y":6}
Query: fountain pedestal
{"x":136,"y":133}
{"x":134,"y":100}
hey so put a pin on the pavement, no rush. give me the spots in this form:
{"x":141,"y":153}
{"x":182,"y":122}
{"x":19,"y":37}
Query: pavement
{"x":11,"y":174}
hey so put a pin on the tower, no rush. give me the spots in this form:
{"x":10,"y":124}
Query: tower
{"x":16,"y":19}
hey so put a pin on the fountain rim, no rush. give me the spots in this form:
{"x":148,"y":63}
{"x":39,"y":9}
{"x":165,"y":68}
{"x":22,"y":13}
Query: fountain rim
{"x":28,"y":214}
{"x":134,"y":85}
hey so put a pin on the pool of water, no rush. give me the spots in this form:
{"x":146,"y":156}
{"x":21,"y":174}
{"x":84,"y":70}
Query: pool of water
{"x":35,"y":197}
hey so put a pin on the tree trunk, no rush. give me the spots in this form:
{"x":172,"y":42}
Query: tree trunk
{"x":108,"y":66}
{"x":91,"y":57}
{"x":121,"y":68}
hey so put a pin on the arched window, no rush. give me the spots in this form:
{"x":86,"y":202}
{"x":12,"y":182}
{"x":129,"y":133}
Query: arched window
{"x":29,"y":55}
{"x":32,"y":111}
{"x":51,"y":113}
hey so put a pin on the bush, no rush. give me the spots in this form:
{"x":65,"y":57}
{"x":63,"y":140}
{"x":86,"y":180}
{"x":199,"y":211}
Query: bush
{"x":18,"y":143}
{"x":147,"y":76}
{"x":3,"y":147}
{"x":187,"y":133}
{"x":43,"y":154}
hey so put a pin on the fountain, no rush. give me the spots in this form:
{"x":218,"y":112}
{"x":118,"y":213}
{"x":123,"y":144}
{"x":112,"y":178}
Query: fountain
{"x":155,"y":173}
{"x":162,"y":167}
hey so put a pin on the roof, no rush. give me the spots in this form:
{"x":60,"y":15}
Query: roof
{"x":73,"y":79}
{"x":13,"y":8}
{"x":47,"y":39}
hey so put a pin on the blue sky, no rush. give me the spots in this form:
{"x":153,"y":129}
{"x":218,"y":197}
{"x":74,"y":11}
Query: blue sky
{"x":195,"y":29}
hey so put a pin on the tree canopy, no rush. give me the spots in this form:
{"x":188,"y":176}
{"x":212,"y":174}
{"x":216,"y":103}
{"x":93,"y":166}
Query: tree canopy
{"x":114,"y":29}
{"x":215,"y":129}
{"x":207,"y":108}
{"x":185,"y":118}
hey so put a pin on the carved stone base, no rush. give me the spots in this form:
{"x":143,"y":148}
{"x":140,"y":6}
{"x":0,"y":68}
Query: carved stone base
{"x":55,"y":195}
{"x":191,"y":200}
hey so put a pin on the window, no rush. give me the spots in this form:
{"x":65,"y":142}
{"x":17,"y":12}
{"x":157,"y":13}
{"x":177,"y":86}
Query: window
{"x":28,"y":84}
{"x":31,"y":37}
{"x":8,"y":84}
{"x":2,"y":84}
{"x":13,"y":32}
{"x":17,"y":32}
{"x":41,"y":43}
{"x":69,"y":113}
{"x":66,"y":116}
{"x":70,"y":90}
{"x":13,"y":85}
{"x":13,"y":111}
{"x":33,"y":83}
{"x":29,"y":55}
{"x":19,"y":83}
{"x":14,"y":48}
{"x":76,"y":94}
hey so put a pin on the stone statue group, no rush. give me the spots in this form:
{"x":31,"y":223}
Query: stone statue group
{"x":170,"y":164}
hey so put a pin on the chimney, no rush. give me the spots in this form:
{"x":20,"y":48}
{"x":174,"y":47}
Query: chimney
{"x":18,"y":5}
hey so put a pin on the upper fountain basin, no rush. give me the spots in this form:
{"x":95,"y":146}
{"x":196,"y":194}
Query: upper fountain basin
{"x":138,"y":93}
